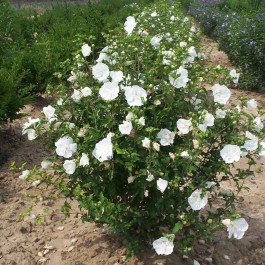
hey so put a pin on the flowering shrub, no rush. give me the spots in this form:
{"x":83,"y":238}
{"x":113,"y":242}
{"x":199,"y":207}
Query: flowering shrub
{"x":144,"y":136}
{"x":240,"y":35}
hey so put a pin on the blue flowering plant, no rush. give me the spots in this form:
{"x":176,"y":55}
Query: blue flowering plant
{"x":144,"y":135}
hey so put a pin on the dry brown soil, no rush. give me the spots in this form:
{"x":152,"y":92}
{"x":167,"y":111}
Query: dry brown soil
{"x":71,"y":242}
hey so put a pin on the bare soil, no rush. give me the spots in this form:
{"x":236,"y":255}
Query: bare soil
{"x":71,"y":242}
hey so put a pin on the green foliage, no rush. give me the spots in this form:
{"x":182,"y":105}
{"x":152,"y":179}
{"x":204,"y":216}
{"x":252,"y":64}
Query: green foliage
{"x":33,"y":45}
{"x":11,"y":101}
{"x":241,"y":5}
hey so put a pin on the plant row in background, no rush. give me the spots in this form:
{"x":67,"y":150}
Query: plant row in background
{"x":33,"y":45}
{"x":239,"y":29}
{"x":140,"y":140}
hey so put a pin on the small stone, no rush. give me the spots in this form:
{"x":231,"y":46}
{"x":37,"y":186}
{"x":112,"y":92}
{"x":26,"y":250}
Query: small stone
{"x":46,"y":251}
{"x":70,"y":248}
{"x":185,"y":257}
{"x":40,"y":254}
{"x":42,"y":260}
{"x":60,"y":228}
{"x":201,"y":241}
{"x":74,"y":240}
{"x":226,"y":257}
{"x":50,"y":247}
{"x":210,"y":260}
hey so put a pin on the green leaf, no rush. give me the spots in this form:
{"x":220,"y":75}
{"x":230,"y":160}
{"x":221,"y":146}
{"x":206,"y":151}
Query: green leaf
{"x":178,"y":226}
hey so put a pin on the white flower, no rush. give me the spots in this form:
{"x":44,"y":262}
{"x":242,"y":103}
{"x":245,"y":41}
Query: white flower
{"x":180,"y":81}
{"x":185,"y":154}
{"x":220,"y":113}
{"x":73,"y":77}
{"x":109,"y":91}
{"x":202,"y":127}
{"x":209,"y":184}
{"x":86,"y":91}
{"x":238,"y":108}
{"x":208,"y":119}
{"x":30,"y":122}
{"x":84,"y":160}
{"x":157,"y":102}
{"x":116,"y":76}
{"x":184,"y":126}
{"x":195,"y":143}
{"x":36,"y":183}
{"x":155,"y":41}
{"x":82,"y":132}
{"x":192,"y":52}
{"x":234,"y":75}
{"x":221,"y":94}
{"x":167,"y":55}
{"x":24,"y":174}
{"x":150,"y":177}
{"x":252,"y":143}
{"x":86,"y":50}
{"x":126,"y":127}
{"x":195,"y":102}
{"x":103,"y":149}
{"x":131,"y":179}
{"x":156,"y":146}
{"x":129,"y":116}
{"x":135,"y":95}
{"x":31,"y":134}
{"x":69,"y":166}
{"x":60,"y":102}
{"x":192,"y":29}
{"x":76,"y":96}
{"x":262,"y":152}
{"x":166,"y":137}
{"x":100,"y":72}
{"x":183,"y":44}
{"x":236,"y":228}
{"x":172,"y":18}
{"x":230,"y":153}
{"x":196,"y":202}
{"x":45,"y":164}
{"x":252,"y":104}
{"x":49,"y":113}
{"x":258,"y":124}
{"x":65,"y":147}
{"x":163,"y":245}
{"x":153,"y":14}
{"x":172,"y":155}
{"x":161,"y":184}
{"x":129,"y":24}
{"x":146,"y":142}
{"x":141,"y":121}
{"x":103,"y":57}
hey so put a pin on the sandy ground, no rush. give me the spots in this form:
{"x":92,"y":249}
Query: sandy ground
{"x":71,"y":242}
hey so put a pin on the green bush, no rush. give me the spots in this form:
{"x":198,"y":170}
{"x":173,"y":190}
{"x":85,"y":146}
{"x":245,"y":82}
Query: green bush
{"x":239,"y":34}
{"x":15,"y":34}
{"x":142,"y":143}
{"x":37,"y":44}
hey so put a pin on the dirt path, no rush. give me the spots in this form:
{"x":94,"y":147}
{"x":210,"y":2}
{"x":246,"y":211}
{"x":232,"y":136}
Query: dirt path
{"x":70,"y":242}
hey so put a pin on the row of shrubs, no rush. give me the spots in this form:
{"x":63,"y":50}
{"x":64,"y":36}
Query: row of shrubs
{"x":239,"y":28}
{"x":33,"y":45}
